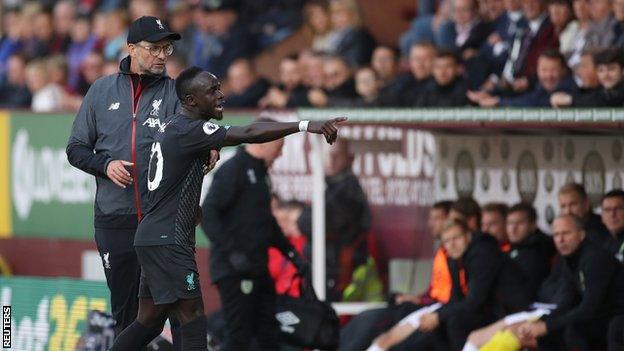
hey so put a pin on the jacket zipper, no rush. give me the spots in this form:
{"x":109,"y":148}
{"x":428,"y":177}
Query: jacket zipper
{"x":137,"y":196}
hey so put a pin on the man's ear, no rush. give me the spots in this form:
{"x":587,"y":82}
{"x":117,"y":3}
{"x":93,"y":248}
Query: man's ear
{"x":131,"y":50}
{"x":189,"y":100}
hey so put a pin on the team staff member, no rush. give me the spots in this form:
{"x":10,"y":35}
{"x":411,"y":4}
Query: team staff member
{"x":484,"y":283}
{"x":613,"y":218}
{"x":593,"y":291}
{"x":111,"y":138}
{"x":530,"y":249}
{"x":238,"y":221}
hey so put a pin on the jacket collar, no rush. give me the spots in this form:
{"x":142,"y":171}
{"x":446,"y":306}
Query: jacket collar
{"x":124,"y":68}
{"x":257,"y":162}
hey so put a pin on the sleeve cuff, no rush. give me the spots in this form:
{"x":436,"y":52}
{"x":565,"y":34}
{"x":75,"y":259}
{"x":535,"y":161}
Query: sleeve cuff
{"x":108,"y":160}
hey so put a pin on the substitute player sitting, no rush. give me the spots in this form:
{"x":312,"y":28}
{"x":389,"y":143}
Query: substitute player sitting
{"x":165,"y":239}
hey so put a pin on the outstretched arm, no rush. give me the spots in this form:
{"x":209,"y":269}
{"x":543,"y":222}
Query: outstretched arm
{"x":262,"y":132}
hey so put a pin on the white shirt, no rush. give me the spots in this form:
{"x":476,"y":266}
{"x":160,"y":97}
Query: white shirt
{"x":535,"y":24}
{"x":47,"y":99}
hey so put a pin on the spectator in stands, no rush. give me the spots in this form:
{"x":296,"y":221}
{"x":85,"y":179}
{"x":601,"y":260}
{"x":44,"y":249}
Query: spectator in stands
{"x":348,"y":219}
{"x":245,"y":87}
{"x":367,"y":88}
{"x":174,"y":66}
{"x":28,"y":42}
{"x":613,"y":218}
{"x":180,"y":20}
{"x":99,"y":27}
{"x":585,"y":77}
{"x":221,"y":38}
{"x":362,"y":330}
{"x":43,"y":31}
{"x":529,"y":43}
{"x":447,"y":89}
{"x":12,"y":35}
{"x":610,"y":70}
{"x":552,"y":74}
{"x":83,"y":43}
{"x":271,"y":21}
{"x":573,"y":200}
{"x":469,"y":31}
{"x":348,"y":38}
{"x":434,"y":28}
{"x":414,"y":83}
{"x":311,"y":66}
{"x":577,"y":30}
{"x":13,"y":91}
{"x":601,"y":32}
{"x":531,"y":249}
{"x":56,"y":66}
{"x":138,"y":8}
{"x":338,"y":83}
{"x":289,"y":92}
{"x":116,"y":33}
{"x":491,"y":10}
{"x":561,"y":15}
{"x":316,"y":15}
{"x":593,"y":292}
{"x":618,"y":30}
{"x":91,"y":69}
{"x":493,"y":222}
{"x":585,"y":73}
{"x":385,"y":64}
{"x":64,"y":14}
{"x":495,"y":51}
{"x":46,"y":97}
{"x":485,"y":283}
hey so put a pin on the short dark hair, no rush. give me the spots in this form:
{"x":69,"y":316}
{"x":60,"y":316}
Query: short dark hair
{"x":395,"y":51}
{"x":613,"y":193}
{"x":425,"y":44}
{"x":444,"y":205}
{"x":468,"y":207}
{"x":498,"y":207}
{"x":528,"y":210}
{"x":609,"y":56}
{"x":555,"y":55}
{"x":184,"y":81}
{"x":576,"y":188}
{"x":446,"y":53}
{"x":567,"y":3}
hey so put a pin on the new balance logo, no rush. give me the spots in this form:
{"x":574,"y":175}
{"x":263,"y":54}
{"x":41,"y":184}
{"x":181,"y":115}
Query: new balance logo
{"x":113,"y":106}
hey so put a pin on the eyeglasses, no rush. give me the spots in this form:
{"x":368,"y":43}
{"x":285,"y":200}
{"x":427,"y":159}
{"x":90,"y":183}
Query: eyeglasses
{"x":155,"y":50}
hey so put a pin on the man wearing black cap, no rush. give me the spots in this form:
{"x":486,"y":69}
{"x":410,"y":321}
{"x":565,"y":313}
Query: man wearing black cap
{"x":111,"y":138}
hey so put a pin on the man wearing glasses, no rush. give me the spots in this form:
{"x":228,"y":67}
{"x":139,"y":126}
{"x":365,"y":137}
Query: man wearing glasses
{"x":111,"y":138}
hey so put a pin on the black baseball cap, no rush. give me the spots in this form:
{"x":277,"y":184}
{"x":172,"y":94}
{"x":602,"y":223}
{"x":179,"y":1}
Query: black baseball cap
{"x":150,"y":29}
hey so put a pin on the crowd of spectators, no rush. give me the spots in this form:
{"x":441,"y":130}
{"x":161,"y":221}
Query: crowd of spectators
{"x":486,"y":53}
{"x":492,"y":261}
